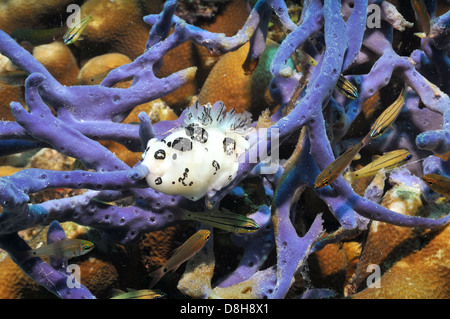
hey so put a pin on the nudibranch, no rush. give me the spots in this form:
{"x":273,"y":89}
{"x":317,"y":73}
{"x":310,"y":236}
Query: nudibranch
{"x":202,"y":155}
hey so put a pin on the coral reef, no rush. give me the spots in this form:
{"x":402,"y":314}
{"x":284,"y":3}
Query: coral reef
{"x":274,"y":182}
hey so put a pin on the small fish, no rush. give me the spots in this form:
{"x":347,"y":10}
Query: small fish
{"x":385,"y":120}
{"x":67,"y":248}
{"x":13,"y":78}
{"x":95,"y":199}
{"x":38,"y":36}
{"x":74,"y":32}
{"x":346,"y":88}
{"x":225,"y":220}
{"x":186,"y":251}
{"x":422,"y":15}
{"x":343,"y":85}
{"x":388,"y":161}
{"x":438,"y":183}
{"x":335,"y":169}
{"x":138,"y":294}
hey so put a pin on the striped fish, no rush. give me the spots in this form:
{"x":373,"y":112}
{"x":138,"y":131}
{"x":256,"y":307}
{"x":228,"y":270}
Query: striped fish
{"x":385,"y":120}
{"x":388,"y":161}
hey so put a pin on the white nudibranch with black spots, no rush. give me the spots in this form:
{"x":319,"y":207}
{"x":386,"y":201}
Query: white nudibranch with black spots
{"x":201,"y":156}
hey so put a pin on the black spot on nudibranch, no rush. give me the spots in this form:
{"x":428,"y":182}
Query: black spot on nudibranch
{"x":229,"y":145}
{"x":216,"y":165}
{"x":158,"y":181}
{"x":185,"y":175}
{"x":197,"y":133}
{"x":160,"y":154}
{"x":182,"y":144}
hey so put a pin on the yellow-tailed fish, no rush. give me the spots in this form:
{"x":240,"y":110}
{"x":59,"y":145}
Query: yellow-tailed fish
{"x":67,"y":248}
{"x":138,"y":294}
{"x":225,"y":220}
{"x":385,"y":120}
{"x":186,"y":251}
{"x":95,"y":199}
{"x":74,"y":32}
{"x":422,"y":15}
{"x":343,"y":85}
{"x":38,"y":36}
{"x":335,"y":169}
{"x":13,"y":78}
{"x":438,"y":183}
{"x":388,"y":161}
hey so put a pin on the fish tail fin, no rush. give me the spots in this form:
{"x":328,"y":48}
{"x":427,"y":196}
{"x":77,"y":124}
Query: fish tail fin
{"x":421,"y":35}
{"x":24,"y":255}
{"x":349,"y":177}
{"x":156,"y":276}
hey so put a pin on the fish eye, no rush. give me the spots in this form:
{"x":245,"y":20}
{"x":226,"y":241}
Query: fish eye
{"x":408,"y":157}
{"x":251,"y":227}
{"x":86,"y":247}
{"x":207,"y":236}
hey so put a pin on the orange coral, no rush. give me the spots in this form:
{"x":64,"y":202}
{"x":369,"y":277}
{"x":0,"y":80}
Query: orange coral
{"x":421,"y":274}
{"x":16,"y":14}
{"x":229,"y":22}
{"x":8,"y":170}
{"x":95,"y":70}
{"x":17,"y":285}
{"x":117,"y":25}
{"x":403,"y":253}
{"x":158,"y":111}
{"x":58,"y":60}
{"x":227,"y":82}
{"x":97,"y":275}
{"x":157,"y":247}
{"x":9,"y":94}
{"x":332,"y":266}
{"x":328,"y":267}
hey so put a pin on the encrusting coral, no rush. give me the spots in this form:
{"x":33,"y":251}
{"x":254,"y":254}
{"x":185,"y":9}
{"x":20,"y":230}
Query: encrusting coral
{"x":116,"y":199}
{"x":238,"y":90}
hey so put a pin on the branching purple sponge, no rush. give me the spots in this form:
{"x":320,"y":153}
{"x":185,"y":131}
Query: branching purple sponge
{"x":85,"y":114}
{"x":55,"y":275}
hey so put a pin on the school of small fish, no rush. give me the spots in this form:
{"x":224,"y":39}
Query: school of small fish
{"x":378,"y":128}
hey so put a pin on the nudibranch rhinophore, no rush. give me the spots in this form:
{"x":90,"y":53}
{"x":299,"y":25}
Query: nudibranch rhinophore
{"x":202,"y":155}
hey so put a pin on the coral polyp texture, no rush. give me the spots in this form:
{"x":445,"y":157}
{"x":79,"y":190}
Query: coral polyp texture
{"x":213,"y":157}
